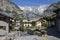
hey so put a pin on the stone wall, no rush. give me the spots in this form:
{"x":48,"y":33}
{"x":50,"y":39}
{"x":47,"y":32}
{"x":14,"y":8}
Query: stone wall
{"x":2,"y":31}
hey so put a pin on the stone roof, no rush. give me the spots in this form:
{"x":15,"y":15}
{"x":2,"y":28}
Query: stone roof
{"x":7,"y":14}
{"x":25,"y":20}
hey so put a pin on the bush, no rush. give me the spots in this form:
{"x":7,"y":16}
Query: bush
{"x":43,"y":27}
{"x":12,"y":30}
{"x":34,"y":27}
{"x":21,"y":28}
{"x":45,"y":24}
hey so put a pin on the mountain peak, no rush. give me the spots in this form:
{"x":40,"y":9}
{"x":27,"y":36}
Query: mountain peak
{"x":33,"y":12}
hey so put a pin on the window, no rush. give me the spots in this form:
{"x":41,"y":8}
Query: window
{"x":3,"y":27}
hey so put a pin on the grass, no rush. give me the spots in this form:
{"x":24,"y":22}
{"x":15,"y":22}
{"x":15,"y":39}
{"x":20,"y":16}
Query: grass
{"x":36,"y":27}
{"x":13,"y":30}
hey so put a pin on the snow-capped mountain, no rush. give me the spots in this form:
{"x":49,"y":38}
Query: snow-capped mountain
{"x":26,"y":8}
{"x":42,"y":8}
{"x":34,"y":12}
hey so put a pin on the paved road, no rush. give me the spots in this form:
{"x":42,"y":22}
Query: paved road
{"x":24,"y":34}
{"x":36,"y":38}
{"x":2,"y":37}
{"x":53,"y":38}
{"x":52,"y":35}
{"x":29,"y":38}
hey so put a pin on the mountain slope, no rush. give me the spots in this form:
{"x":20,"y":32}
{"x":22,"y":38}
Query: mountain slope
{"x":33,"y":12}
{"x":8,"y":8}
{"x":51,"y":8}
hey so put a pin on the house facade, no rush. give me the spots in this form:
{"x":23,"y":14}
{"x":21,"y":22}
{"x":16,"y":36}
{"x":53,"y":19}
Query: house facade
{"x":27,"y":23}
{"x":38,"y":23}
{"x":35,"y":22}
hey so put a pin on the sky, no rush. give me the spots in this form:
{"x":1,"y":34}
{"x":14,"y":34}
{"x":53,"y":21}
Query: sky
{"x":33,"y":2}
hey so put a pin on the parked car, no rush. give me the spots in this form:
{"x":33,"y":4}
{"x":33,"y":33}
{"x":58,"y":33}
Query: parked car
{"x":31,"y":32}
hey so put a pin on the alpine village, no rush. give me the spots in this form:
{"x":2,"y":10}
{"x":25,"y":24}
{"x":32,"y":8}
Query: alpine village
{"x":18,"y":24}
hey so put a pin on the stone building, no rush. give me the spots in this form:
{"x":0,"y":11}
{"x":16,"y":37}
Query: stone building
{"x":6,"y":23}
{"x":8,"y":10}
{"x":35,"y":22}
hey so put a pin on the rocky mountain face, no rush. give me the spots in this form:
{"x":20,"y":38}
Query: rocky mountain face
{"x":9,"y":8}
{"x":37,"y":12}
{"x":34,"y":12}
{"x":51,"y":8}
{"x":54,"y":6}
